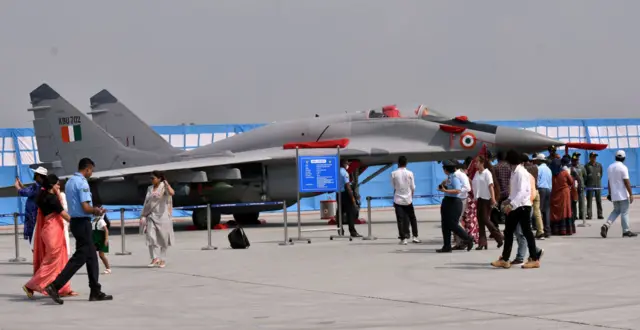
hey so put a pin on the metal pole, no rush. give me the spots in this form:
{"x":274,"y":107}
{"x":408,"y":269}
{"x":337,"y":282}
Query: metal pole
{"x":340,"y":210}
{"x":18,"y":258}
{"x":286,"y":241}
{"x":299,"y":238}
{"x":298,"y":195}
{"x":209,"y":246}
{"x":369,"y":236}
{"x":122,"y":236}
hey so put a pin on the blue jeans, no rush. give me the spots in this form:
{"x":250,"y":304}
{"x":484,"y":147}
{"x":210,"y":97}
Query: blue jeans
{"x":620,"y":208}
{"x":522,"y":242}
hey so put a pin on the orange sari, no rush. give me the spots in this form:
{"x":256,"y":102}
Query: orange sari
{"x":49,"y":253}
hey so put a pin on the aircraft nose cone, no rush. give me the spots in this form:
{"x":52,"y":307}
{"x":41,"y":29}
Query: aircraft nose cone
{"x":523,"y":140}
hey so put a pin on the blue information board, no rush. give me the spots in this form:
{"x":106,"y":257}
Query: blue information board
{"x":318,"y":173}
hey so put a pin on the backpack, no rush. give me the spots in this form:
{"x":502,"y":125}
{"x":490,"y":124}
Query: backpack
{"x":238,"y":239}
{"x":106,"y":220}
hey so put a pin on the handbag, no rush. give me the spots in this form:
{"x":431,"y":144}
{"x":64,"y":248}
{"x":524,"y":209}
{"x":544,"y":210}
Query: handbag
{"x":238,"y":239}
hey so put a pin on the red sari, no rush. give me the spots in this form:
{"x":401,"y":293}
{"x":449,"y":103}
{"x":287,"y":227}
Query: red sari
{"x":49,"y":253}
{"x":561,"y":220}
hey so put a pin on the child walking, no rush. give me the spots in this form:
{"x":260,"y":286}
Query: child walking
{"x":101,"y":240}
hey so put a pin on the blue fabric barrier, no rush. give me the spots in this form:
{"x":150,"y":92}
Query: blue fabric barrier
{"x":18,"y":150}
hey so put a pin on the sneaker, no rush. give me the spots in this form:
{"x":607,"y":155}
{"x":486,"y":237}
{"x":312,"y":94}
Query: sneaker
{"x":540,"y":254}
{"x":501,"y":264}
{"x":540,"y":237}
{"x":629,"y":234}
{"x":603,"y":231}
{"x":517,"y":262}
{"x":101,"y":296}
{"x":404,"y":241}
{"x":416,"y":240}
{"x":530,"y":264}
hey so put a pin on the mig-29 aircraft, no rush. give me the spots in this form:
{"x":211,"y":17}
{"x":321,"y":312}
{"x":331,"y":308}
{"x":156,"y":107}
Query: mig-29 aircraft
{"x":258,"y":165}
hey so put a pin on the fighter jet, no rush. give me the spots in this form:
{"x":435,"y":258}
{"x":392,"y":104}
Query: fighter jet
{"x":258,"y":165}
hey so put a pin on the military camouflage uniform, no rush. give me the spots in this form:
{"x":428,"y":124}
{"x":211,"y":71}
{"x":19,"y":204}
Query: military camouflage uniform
{"x":593,"y":179}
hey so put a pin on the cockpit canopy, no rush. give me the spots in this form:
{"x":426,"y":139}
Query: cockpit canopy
{"x":392,"y":111}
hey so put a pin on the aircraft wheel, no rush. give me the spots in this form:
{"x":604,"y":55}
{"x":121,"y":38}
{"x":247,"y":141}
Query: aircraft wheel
{"x":247,"y":218}
{"x":199,"y":218}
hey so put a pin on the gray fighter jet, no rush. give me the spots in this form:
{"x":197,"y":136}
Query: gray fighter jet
{"x":258,"y":165}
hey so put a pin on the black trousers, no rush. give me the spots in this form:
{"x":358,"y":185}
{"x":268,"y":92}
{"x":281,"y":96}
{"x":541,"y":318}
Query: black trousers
{"x":450,"y":212}
{"x":590,"y":195}
{"x":405,"y":215}
{"x":348,"y":212}
{"x":85,"y":254}
{"x":522,"y":216}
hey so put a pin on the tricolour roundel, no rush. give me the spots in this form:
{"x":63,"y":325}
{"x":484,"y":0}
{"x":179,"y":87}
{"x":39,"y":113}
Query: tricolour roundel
{"x":468,"y":140}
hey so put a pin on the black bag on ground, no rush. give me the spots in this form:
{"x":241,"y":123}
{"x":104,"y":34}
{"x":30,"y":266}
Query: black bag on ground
{"x":238,"y":239}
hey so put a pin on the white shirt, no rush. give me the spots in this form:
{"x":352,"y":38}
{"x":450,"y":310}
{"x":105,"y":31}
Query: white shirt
{"x":616,"y":173}
{"x":481,"y":182}
{"x":520,"y":188}
{"x":101,"y":224}
{"x":403,"y":185}
{"x":466,"y":186}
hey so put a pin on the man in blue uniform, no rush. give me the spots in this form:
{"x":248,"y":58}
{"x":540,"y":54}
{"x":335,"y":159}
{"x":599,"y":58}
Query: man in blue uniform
{"x":81,"y":210}
{"x":30,"y":208}
{"x":347,"y":200}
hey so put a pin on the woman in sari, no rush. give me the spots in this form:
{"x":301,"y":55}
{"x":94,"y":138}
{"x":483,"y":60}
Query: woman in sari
{"x":156,"y":220}
{"x":560,"y":213}
{"x":469,"y":219}
{"x":50,"y":246}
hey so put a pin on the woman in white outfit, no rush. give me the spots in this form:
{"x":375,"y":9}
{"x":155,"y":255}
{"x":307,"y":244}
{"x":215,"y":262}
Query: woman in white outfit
{"x":155,"y":218}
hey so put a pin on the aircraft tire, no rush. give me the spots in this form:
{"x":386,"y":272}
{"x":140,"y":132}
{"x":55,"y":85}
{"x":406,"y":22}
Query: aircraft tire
{"x":199,"y":219}
{"x":247,"y":218}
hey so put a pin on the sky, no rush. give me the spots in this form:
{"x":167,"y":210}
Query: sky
{"x":258,"y":61}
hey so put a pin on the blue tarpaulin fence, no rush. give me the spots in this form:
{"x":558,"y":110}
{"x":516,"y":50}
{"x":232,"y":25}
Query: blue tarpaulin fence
{"x":19,"y":150}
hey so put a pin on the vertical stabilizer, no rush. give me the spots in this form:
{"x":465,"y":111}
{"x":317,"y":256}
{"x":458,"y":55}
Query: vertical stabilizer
{"x":121,"y":123}
{"x":65,"y":135}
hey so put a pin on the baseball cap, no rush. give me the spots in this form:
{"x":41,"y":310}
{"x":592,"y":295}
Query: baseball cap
{"x":576,"y":155}
{"x":540,"y":157}
{"x":621,"y":154}
{"x":593,"y":154}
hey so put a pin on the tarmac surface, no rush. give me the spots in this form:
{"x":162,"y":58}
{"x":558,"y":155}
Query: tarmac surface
{"x":585,"y":282}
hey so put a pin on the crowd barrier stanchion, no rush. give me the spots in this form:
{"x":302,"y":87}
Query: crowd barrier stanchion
{"x":209,"y":246}
{"x":339,"y":213}
{"x":16,"y":234}
{"x":369,"y":237}
{"x":123,"y":236}
{"x":286,"y":241}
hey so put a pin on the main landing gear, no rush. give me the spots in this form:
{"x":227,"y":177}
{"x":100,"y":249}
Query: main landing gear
{"x":199,"y":218}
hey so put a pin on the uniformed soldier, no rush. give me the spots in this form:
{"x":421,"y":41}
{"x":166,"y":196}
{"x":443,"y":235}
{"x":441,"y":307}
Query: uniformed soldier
{"x":579,"y":174}
{"x":81,"y":210}
{"x":553,"y":154}
{"x":593,"y":183}
{"x":347,"y":205}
